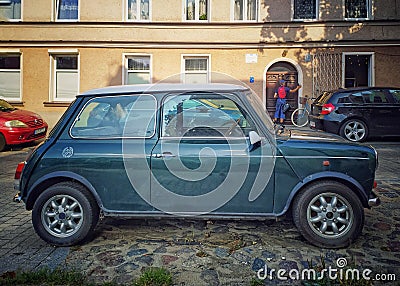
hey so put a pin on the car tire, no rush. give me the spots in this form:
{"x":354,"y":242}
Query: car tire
{"x":328,"y":214}
{"x":65,"y":214}
{"x":2,"y":142}
{"x":354,"y":130}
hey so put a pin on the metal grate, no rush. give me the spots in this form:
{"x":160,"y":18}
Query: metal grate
{"x":327,"y":72}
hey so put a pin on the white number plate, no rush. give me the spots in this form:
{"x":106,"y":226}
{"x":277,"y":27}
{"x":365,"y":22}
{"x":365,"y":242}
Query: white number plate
{"x":312,"y":123}
{"x":40,"y":130}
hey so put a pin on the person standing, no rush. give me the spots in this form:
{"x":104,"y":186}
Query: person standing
{"x":281,"y":93}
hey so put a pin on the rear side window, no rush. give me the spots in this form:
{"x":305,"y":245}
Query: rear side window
{"x":116,"y":117}
{"x":396,"y":95}
{"x":370,"y":96}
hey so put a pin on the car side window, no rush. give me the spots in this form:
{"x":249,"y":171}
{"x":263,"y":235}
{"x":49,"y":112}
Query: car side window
{"x":204,"y":115}
{"x":396,"y":95}
{"x":357,"y":98}
{"x":115,"y":117}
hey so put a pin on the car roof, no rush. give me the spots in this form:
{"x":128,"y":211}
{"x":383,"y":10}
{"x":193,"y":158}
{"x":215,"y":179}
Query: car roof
{"x":351,"y":89}
{"x":162,"y":87}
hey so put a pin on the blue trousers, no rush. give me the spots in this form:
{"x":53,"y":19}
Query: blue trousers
{"x":280,"y":102}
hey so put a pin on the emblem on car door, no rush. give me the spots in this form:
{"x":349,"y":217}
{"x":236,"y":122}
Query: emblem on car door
{"x":67,"y":152}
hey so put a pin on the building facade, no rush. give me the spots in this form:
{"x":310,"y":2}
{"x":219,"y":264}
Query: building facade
{"x":50,"y":50}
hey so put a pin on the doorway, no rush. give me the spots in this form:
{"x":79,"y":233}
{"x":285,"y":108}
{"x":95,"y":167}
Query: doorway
{"x":276,"y":72}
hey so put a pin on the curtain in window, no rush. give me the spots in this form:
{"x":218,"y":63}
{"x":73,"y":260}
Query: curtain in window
{"x":251,"y":9}
{"x":10,"y":10}
{"x":238,"y":10}
{"x":144,"y":10}
{"x":132,"y":9}
{"x":10,"y":77}
{"x":67,"y":9}
{"x":356,"y":8}
{"x":138,"y":70}
{"x":190,"y":10}
{"x":203,"y":10}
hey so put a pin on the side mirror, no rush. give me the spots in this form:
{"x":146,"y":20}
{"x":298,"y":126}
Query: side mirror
{"x":254,"y":137}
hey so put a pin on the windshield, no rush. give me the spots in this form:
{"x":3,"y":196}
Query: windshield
{"x":261,"y":112}
{"x":5,"y":106}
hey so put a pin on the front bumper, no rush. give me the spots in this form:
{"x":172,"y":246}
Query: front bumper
{"x":373,"y":200}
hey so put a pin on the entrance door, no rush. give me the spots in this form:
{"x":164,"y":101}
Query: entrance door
{"x":276,"y":72}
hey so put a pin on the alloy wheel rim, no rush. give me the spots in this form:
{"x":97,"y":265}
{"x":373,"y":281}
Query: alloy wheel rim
{"x":354,"y":131}
{"x":330,"y":215}
{"x":62,"y":216}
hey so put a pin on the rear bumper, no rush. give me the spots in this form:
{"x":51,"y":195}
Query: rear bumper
{"x":322,"y":123}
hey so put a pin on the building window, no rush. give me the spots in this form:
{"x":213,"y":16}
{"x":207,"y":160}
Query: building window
{"x":137,"y":69}
{"x":358,"y":69}
{"x":245,"y":10}
{"x":65,"y":85}
{"x":357,"y":9}
{"x":10,"y":9}
{"x":196,"y":69}
{"x":196,"y":10}
{"x":305,"y":9}
{"x":138,"y":10}
{"x":67,"y":10}
{"x":10,"y":77}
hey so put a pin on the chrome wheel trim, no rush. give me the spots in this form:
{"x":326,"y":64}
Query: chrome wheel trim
{"x":354,"y":131}
{"x":330,"y":215}
{"x":62,"y":216}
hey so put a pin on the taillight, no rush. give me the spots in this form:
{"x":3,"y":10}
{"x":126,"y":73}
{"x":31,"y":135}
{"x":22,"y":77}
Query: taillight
{"x":327,"y":108}
{"x":18,"y":171}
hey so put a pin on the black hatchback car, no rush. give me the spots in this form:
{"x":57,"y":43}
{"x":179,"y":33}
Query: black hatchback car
{"x":358,"y":113}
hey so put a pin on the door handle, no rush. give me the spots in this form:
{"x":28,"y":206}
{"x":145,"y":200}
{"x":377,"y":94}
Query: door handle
{"x":163,"y":155}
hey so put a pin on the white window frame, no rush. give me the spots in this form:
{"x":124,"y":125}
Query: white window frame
{"x":55,"y":12}
{"x":21,"y":12}
{"x":125,"y":71}
{"x":197,"y":12}
{"x":371,"y":72}
{"x":53,"y":73}
{"x":195,"y":56}
{"x":126,"y":11}
{"x":14,"y":52}
{"x":317,"y":13}
{"x":245,"y":12}
{"x":369,"y":11}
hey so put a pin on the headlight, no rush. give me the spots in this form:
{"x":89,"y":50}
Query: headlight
{"x":15,"y":123}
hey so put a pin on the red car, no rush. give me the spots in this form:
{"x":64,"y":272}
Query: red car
{"x":19,"y":126}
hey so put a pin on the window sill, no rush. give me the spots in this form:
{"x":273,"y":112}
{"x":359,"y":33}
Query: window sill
{"x":15,"y":103}
{"x":57,"y":104}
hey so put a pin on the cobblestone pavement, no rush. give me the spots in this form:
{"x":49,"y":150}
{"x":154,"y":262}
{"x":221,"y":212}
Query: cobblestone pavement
{"x":203,"y":252}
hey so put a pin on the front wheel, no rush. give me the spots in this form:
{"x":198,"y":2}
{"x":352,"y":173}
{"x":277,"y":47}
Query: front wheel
{"x":328,"y":214}
{"x":300,"y":117}
{"x":65,"y":214}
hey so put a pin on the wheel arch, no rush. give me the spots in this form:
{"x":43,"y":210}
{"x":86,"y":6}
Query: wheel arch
{"x":55,"y":178}
{"x":351,"y":117}
{"x":326,"y":176}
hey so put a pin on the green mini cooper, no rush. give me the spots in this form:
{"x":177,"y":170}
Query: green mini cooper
{"x":205,"y":151}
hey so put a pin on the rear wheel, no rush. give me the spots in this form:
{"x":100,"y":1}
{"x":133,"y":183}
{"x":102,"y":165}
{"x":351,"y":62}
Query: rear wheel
{"x":2,"y":142}
{"x":300,"y":117}
{"x":328,"y":214}
{"x":354,"y":130}
{"x":65,"y":214}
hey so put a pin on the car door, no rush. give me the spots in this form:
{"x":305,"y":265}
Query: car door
{"x":394,"y":95}
{"x":203,"y":162}
{"x":381,"y":111}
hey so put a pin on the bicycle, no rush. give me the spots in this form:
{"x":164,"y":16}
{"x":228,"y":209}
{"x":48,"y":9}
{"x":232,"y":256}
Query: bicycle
{"x":299,"y":116}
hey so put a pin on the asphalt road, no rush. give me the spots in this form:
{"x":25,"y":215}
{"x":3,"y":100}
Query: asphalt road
{"x":200,"y":253}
